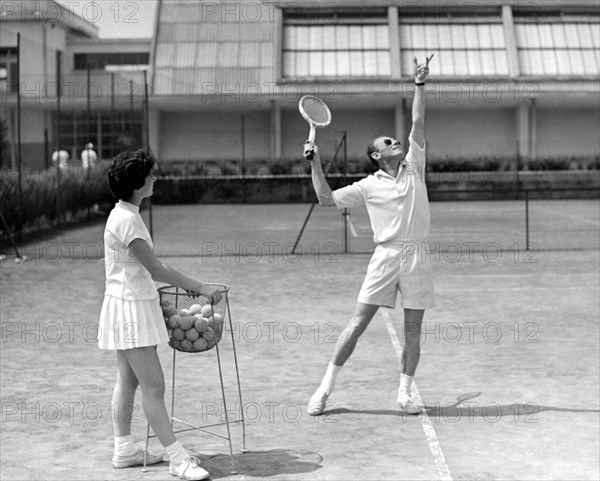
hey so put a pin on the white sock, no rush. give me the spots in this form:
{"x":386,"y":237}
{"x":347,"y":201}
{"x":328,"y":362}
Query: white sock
{"x":405,"y":383}
{"x":124,"y":445}
{"x":176,"y":452}
{"x":328,"y":382}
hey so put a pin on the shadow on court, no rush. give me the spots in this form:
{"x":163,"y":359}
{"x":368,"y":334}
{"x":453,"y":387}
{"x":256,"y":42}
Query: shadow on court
{"x":264,"y":464}
{"x":497,"y":411}
{"x":464,"y":408}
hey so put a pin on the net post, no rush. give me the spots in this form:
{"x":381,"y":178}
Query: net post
{"x":326,"y":172}
{"x":345,"y":213}
{"x":89,"y":129}
{"x":526,"y":219}
{"x":10,"y":236}
{"x":147,"y":135}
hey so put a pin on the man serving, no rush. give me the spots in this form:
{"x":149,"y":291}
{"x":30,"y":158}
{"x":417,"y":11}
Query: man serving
{"x":396,"y":200}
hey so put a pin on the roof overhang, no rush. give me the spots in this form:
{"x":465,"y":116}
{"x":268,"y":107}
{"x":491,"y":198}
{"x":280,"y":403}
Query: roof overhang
{"x":47,"y":11}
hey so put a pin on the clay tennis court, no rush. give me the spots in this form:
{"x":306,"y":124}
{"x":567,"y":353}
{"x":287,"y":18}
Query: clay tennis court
{"x":509,"y":370}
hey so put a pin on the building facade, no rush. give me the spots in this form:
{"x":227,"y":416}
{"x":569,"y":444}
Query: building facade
{"x":509,"y":79}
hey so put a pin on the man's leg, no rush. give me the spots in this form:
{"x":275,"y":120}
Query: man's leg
{"x":363,"y":313}
{"x":344,"y":347}
{"x":411,"y":352}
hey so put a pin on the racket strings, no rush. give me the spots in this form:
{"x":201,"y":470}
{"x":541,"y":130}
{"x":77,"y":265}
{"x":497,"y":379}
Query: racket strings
{"x":315,"y":110}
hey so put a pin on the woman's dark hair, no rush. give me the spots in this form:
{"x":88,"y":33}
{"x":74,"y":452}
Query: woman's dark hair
{"x":129,"y":171}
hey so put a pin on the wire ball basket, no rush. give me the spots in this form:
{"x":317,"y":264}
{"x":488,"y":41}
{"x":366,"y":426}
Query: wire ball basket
{"x":193,"y":323}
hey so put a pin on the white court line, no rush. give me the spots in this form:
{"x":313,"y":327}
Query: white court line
{"x":355,"y":232}
{"x":352,"y":228}
{"x":434,"y":445}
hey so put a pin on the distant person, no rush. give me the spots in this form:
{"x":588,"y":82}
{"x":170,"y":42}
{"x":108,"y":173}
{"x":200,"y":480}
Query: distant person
{"x":61,"y":157}
{"x":88,"y":157}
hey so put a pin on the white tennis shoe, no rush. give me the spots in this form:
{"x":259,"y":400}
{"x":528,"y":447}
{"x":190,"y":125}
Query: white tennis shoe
{"x":189,"y":470}
{"x":408,"y":404}
{"x":317,"y":402}
{"x":137,"y":459}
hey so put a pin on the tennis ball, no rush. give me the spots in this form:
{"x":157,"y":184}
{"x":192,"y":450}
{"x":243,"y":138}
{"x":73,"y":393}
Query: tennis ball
{"x":187,"y":322}
{"x":218,"y":318}
{"x":178,"y":334}
{"x":215,"y":326}
{"x":209,"y":334}
{"x":207,"y":310}
{"x":169,"y":311}
{"x":192,"y":334}
{"x":173,"y":321}
{"x":201,"y":324}
{"x":174,"y":343}
{"x":187,"y":345}
{"x":200,"y":344}
{"x":195,"y":309}
{"x":184,"y":312}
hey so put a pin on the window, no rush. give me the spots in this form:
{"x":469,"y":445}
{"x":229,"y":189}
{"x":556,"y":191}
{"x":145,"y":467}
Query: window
{"x":110,"y":135}
{"x":465,"y":45}
{"x":558,"y":44}
{"x":336,"y":43}
{"x":104,"y":61}
{"x":9,"y":66}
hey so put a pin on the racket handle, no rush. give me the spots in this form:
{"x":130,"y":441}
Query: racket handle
{"x":310,"y":153}
{"x":311,"y":138}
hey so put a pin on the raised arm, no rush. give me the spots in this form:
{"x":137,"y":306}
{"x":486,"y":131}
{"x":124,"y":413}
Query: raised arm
{"x":418,"y":107}
{"x":318,"y":176}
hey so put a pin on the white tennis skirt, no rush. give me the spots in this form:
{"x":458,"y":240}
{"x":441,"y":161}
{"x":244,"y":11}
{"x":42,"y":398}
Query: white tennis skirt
{"x":126,"y":324}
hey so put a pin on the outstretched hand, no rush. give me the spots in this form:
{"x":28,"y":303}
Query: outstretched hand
{"x":422,"y":70}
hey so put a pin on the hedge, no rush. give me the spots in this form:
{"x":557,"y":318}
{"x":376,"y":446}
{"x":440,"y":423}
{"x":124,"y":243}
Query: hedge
{"x":216,"y":168}
{"x":39,"y":205}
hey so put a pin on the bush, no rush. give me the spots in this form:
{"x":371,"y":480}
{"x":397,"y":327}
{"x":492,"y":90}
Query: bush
{"x":493,"y":163}
{"x":471,"y":165}
{"x":562,"y":163}
{"x":39,"y":195}
{"x":4,"y":144}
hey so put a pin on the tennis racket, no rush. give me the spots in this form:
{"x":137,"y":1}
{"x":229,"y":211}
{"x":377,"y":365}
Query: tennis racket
{"x":317,"y":114}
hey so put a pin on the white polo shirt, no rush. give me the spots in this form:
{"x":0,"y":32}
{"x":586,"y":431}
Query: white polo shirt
{"x":398,"y":207}
{"x":126,"y":277}
{"x":88,"y":158}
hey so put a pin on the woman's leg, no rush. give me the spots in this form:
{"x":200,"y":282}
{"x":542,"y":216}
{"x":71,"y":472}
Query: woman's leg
{"x":123,"y":396}
{"x":146,"y":367}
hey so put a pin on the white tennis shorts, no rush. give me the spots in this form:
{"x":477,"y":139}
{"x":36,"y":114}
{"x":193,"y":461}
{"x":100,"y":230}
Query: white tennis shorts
{"x":403,"y":267}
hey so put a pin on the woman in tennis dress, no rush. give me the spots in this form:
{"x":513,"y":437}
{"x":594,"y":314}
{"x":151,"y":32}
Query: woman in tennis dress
{"x":131,"y":320}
